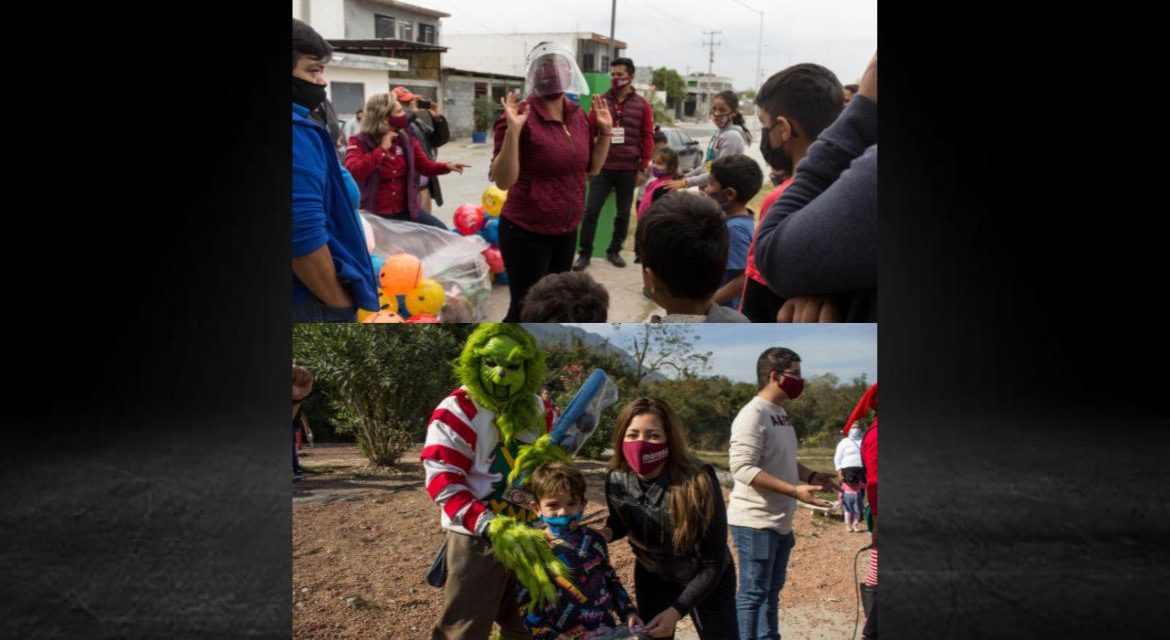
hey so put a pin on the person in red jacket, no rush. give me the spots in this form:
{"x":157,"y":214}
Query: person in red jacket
{"x":867,"y":403}
{"x":386,"y":160}
{"x":625,"y":166}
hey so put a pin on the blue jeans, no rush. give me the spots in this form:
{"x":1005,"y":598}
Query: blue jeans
{"x":763,"y":563}
{"x":313,"y":310}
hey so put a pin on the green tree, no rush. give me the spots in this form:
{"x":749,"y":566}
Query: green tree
{"x":663,"y":116}
{"x":382,"y":381}
{"x":662,"y":346}
{"x":820,"y":412}
{"x":705,"y":406}
{"x":672,"y":83}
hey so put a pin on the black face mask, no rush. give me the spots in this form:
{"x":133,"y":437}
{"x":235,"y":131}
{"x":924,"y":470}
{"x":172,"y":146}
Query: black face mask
{"x":775,"y":157}
{"x":307,"y":94}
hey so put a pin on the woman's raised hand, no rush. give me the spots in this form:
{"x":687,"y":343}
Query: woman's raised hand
{"x":515,"y":112}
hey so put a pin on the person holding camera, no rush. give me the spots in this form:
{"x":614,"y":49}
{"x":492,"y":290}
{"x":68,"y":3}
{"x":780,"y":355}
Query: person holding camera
{"x":429,"y":127}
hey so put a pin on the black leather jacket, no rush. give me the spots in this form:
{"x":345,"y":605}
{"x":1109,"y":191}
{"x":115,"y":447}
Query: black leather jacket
{"x":644,"y":515}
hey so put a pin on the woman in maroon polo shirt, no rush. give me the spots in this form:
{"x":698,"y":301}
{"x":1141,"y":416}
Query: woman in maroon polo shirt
{"x":545,"y":148}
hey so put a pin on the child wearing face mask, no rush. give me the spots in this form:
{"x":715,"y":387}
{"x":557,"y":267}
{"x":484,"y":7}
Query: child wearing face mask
{"x":734,"y":181}
{"x":731,"y":138}
{"x":663,"y":170}
{"x":587,"y":602}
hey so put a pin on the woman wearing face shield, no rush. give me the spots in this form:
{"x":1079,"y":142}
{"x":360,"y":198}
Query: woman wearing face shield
{"x":545,"y":148}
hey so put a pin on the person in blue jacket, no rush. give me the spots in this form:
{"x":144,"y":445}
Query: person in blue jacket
{"x":332,"y":273}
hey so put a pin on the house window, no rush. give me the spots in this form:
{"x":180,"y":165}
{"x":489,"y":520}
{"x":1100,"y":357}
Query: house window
{"x":426,"y":33}
{"x":588,"y":66}
{"x":383,"y":26}
{"x":347,"y":97}
{"x":604,"y":63}
{"x":405,"y":31}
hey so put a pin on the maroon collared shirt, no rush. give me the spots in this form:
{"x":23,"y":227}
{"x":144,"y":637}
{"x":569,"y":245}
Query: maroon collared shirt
{"x":549,"y":195}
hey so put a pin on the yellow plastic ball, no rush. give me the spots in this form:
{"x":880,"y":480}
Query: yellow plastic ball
{"x":425,"y":299}
{"x":493,"y":200}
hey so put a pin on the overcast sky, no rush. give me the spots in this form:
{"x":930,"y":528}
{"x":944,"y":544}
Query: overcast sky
{"x":839,"y":34}
{"x":848,"y":350}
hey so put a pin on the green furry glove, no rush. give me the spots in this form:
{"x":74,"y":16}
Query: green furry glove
{"x":533,"y":455}
{"x":524,"y":550}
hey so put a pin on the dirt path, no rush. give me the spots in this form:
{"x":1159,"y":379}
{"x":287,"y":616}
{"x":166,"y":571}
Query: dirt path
{"x":363,"y":541}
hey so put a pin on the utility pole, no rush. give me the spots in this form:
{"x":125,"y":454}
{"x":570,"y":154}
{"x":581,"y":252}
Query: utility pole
{"x":711,"y":44}
{"x":612,"y":21}
{"x":710,"y":64}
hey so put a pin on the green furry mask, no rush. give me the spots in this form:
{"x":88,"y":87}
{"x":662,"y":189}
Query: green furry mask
{"x":502,"y":368}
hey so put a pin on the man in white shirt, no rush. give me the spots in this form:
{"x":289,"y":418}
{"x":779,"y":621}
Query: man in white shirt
{"x":768,"y":482}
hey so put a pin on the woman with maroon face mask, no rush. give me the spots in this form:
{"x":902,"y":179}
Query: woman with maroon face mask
{"x":670,"y":506}
{"x":386,"y":159}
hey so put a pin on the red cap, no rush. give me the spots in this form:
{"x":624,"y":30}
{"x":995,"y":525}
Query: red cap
{"x":402,"y":94}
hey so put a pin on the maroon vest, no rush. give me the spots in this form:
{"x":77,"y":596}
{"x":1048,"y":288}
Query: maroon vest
{"x":628,"y":155}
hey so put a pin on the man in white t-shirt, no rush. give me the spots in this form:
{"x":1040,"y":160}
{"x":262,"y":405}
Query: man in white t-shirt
{"x":768,"y":482}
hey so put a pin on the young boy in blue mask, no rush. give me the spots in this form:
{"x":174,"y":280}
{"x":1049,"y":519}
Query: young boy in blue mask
{"x":587,"y":600}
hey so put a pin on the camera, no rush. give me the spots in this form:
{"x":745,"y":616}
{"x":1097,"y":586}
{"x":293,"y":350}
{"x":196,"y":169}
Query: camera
{"x":423,"y":103}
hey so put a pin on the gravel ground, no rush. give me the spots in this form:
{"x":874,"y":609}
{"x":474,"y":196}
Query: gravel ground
{"x":363,"y":540}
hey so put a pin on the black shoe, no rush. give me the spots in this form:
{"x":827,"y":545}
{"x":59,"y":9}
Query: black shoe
{"x":581,"y":263}
{"x":615,"y":259}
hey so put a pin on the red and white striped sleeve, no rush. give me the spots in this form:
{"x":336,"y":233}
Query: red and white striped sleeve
{"x":447,"y":457}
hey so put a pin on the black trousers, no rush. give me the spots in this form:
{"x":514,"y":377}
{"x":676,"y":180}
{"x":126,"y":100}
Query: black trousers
{"x":599,"y":187}
{"x":759,"y":303}
{"x":869,"y":632}
{"x":714,"y":617}
{"x":528,"y":257}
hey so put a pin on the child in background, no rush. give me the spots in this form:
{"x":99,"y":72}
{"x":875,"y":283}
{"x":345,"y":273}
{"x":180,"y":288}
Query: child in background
{"x":852,"y":491}
{"x":734,"y":181}
{"x":659,"y":142}
{"x":571,"y":296}
{"x":663,"y":170}
{"x":684,"y":252}
{"x":587,"y":601}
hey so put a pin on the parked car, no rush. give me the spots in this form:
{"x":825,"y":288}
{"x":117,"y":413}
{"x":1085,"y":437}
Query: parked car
{"x":690,"y":156}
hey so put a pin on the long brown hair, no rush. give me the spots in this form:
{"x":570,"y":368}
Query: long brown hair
{"x":374,"y":118}
{"x":691,"y":505}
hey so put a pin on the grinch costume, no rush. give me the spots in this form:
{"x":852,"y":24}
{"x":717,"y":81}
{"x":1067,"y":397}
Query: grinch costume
{"x":472,"y":443}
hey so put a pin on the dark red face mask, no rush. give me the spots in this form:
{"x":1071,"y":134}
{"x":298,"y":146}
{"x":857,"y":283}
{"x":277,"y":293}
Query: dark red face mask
{"x":792,"y":387}
{"x":547,"y":81}
{"x":645,"y":457}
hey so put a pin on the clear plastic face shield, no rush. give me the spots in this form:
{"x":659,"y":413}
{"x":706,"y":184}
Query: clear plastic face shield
{"x":552,"y":71}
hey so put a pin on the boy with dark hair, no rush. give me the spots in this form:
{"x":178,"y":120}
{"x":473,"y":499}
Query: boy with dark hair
{"x":817,"y":245}
{"x":332,"y":272}
{"x":585,"y":606}
{"x":572,"y":296}
{"x":795,"y":105}
{"x":734,"y":181}
{"x":683,"y":240}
